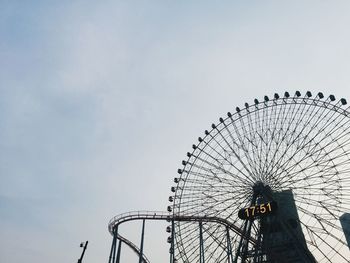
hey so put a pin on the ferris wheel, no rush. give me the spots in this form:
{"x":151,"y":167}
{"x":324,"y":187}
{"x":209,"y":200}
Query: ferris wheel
{"x":278,"y":170}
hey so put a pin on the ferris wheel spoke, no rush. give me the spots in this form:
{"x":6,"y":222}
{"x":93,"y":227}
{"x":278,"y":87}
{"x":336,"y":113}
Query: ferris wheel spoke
{"x":265,"y":129}
{"x":289,"y":164}
{"x":217,"y":247}
{"x":213,"y":200}
{"x":210,"y":240}
{"x":311,"y":165}
{"x":308,"y":173}
{"x":330,"y":178}
{"x":182,"y":246}
{"x":197,"y":195}
{"x":285,"y":133}
{"x":320,"y":118}
{"x":232,"y":150}
{"x":326,"y":146}
{"x":271,"y":129}
{"x":335,"y":144}
{"x":320,"y":164}
{"x":322,"y":231}
{"x":303,"y":142}
{"x":188,"y":237}
{"x":214,"y":177}
{"x":309,"y":153}
{"x":314,"y":207}
{"x":323,"y":253}
{"x":242,"y":144}
{"x":277,"y":142}
{"x":258,"y":140}
{"x":293,"y":122}
{"x":322,"y":222}
{"x":220,"y":168}
{"x":317,"y":191}
{"x":330,"y":246}
{"x":251,"y":131}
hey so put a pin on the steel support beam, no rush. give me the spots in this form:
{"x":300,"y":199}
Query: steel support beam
{"x":142,"y":239}
{"x":201,"y":244}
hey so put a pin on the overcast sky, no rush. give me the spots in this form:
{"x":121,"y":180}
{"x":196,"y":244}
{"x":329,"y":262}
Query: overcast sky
{"x":101,"y":100}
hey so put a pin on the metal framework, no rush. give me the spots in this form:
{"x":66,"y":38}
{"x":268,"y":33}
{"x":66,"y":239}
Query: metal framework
{"x":298,"y":146}
{"x":283,"y":165}
{"x":157,"y":215}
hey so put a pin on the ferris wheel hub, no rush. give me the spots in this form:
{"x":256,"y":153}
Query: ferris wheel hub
{"x":259,"y":188}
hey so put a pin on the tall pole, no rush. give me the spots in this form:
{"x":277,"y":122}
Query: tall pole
{"x":172,"y":246}
{"x":258,"y":247}
{"x":142,"y":238}
{"x":119,"y":251}
{"x":201,"y":243}
{"x":244,"y":240}
{"x":229,"y":248}
{"x":115,"y":243}
{"x":80,"y":260}
{"x":113,"y":247}
{"x":238,"y":251}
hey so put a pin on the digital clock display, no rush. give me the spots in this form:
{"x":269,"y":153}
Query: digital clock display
{"x":258,"y":210}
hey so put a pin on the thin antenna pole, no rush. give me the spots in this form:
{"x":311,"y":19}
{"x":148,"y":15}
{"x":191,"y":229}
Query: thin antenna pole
{"x":80,"y":260}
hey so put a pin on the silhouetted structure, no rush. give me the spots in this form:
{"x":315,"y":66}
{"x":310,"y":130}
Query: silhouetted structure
{"x":345,"y":223}
{"x":283,"y":239}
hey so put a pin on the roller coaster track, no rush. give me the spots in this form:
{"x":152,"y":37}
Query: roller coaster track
{"x":133,"y":247}
{"x":157,"y":215}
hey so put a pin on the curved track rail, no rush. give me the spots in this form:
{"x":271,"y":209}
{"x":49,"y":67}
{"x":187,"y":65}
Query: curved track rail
{"x":157,"y":215}
{"x":133,"y":247}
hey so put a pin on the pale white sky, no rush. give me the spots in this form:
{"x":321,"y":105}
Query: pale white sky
{"x":101,"y":100}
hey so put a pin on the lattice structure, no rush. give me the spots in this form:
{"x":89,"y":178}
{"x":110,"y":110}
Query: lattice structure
{"x":269,"y":183}
{"x":297,"y":146}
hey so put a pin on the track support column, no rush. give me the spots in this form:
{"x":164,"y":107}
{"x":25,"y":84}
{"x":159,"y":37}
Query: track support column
{"x":244,"y":240}
{"x":229,"y":248}
{"x":142,"y":239}
{"x":201,"y":243}
{"x":172,"y":245}
{"x":114,"y":246}
{"x":119,"y":252}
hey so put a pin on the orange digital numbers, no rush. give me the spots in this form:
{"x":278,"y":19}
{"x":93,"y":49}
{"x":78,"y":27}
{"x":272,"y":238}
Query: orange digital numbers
{"x":258,"y":210}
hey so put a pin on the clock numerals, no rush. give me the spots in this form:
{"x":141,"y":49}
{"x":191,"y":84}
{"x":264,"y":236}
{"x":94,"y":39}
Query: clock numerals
{"x":257,"y":210}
